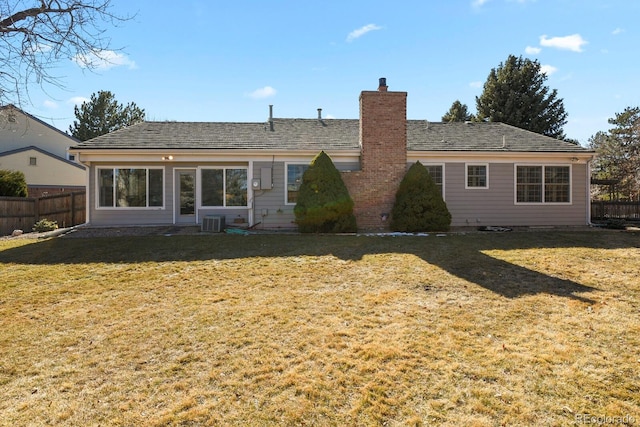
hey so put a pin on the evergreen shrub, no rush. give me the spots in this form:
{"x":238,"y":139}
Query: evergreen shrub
{"x":419,"y":206}
{"x":324,"y":204}
{"x":13,"y":184}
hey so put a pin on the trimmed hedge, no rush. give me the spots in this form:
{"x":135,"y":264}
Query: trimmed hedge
{"x":324,"y":204}
{"x":419,"y":205}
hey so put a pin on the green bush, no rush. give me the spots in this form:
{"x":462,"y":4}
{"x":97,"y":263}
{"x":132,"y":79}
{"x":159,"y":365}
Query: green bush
{"x":324,"y":204}
{"x":13,"y":184}
{"x":45,"y":225}
{"x":419,"y":205}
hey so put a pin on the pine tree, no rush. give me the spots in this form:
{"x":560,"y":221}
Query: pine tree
{"x":324,"y":204}
{"x":419,"y":205}
{"x":618,"y":153}
{"x":458,"y":112}
{"x":103,"y":114}
{"x":515,"y":94}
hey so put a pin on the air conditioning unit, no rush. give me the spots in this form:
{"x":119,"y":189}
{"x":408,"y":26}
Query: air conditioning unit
{"x":213,"y":223}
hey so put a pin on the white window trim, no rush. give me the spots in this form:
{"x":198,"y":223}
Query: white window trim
{"x":224,"y":168}
{"x":444,"y":173}
{"x":543,"y":202}
{"x":126,"y":208}
{"x":286,"y":179}
{"x":466,"y":176}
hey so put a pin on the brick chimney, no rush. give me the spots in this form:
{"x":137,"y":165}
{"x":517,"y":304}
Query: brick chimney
{"x":383,"y":142}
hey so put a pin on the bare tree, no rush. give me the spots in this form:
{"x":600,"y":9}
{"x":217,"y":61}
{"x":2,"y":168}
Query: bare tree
{"x":36,"y":34}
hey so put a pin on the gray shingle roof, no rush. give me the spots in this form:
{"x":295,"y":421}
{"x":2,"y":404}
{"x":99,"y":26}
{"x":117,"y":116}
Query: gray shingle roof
{"x":484,"y":136}
{"x":328,"y":134}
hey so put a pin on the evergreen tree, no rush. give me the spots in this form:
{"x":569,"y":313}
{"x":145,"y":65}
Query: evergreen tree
{"x":458,"y":112}
{"x":618,"y":153}
{"x":324,"y":204}
{"x":515,"y":94}
{"x":103,"y":114}
{"x":13,"y":184}
{"x":419,"y":206}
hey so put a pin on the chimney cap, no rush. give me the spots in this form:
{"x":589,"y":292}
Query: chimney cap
{"x":382,"y":84}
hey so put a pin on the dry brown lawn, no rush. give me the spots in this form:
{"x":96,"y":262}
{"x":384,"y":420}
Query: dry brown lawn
{"x":527,"y":328}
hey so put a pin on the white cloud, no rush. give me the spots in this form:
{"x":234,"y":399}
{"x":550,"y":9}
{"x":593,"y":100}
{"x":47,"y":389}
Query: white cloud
{"x":475,"y":84}
{"x":478,"y":3}
{"x":548,"y":69}
{"x":50,"y":104}
{"x":617,"y":31}
{"x":104,"y":60}
{"x":77,"y":100}
{"x":362,"y":31}
{"x":262,"y":93}
{"x":573,"y":42}
{"x":532,"y":50}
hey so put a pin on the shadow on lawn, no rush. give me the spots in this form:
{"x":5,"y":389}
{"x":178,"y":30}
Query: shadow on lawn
{"x":460,"y":255}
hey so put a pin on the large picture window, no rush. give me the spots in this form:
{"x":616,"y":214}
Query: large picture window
{"x":224,"y":187}
{"x":130,"y":187}
{"x":294,"y":179}
{"x":543,"y":184}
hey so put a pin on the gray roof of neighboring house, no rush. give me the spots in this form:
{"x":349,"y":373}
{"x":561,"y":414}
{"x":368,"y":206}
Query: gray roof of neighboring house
{"x":326,"y":134}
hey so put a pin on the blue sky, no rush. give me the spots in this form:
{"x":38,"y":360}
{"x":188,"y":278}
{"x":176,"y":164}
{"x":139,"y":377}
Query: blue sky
{"x":228,"y":60}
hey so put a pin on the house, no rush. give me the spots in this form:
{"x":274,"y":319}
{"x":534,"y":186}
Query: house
{"x":249,"y":173}
{"x":31,"y":146}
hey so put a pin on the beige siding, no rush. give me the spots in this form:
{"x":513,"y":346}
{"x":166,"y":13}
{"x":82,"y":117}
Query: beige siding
{"x":496,"y":205}
{"x":25,"y":132}
{"x":47,"y":171}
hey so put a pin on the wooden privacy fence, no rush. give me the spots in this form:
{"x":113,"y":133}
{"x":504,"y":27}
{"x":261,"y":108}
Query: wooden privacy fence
{"x":21,"y":213}
{"x":629,"y":211}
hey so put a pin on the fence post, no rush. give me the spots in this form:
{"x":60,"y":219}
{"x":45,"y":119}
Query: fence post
{"x":36,"y":209}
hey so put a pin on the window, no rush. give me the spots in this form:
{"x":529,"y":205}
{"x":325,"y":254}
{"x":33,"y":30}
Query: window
{"x":477,"y":176}
{"x":224,"y":187}
{"x":33,"y":161}
{"x":130,"y":188}
{"x":556,"y":184}
{"x":543,"y":184}
{"x":436,"y":172}
{"x":294,"y":179}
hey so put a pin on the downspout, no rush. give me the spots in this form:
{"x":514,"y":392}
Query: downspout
{"x":589,"y":223}
{"x":251,"y":207}
{"x":87,"y":201}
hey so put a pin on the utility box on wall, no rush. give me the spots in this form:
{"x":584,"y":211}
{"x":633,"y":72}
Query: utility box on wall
{"x":265,"y":179}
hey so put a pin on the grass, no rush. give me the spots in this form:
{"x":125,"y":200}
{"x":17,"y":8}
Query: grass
{"x":478,"y":330}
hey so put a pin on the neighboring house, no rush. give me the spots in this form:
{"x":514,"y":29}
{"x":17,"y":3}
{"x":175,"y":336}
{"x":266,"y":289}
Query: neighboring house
{"x":39,"y":150}
{"x":178,"y":173}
